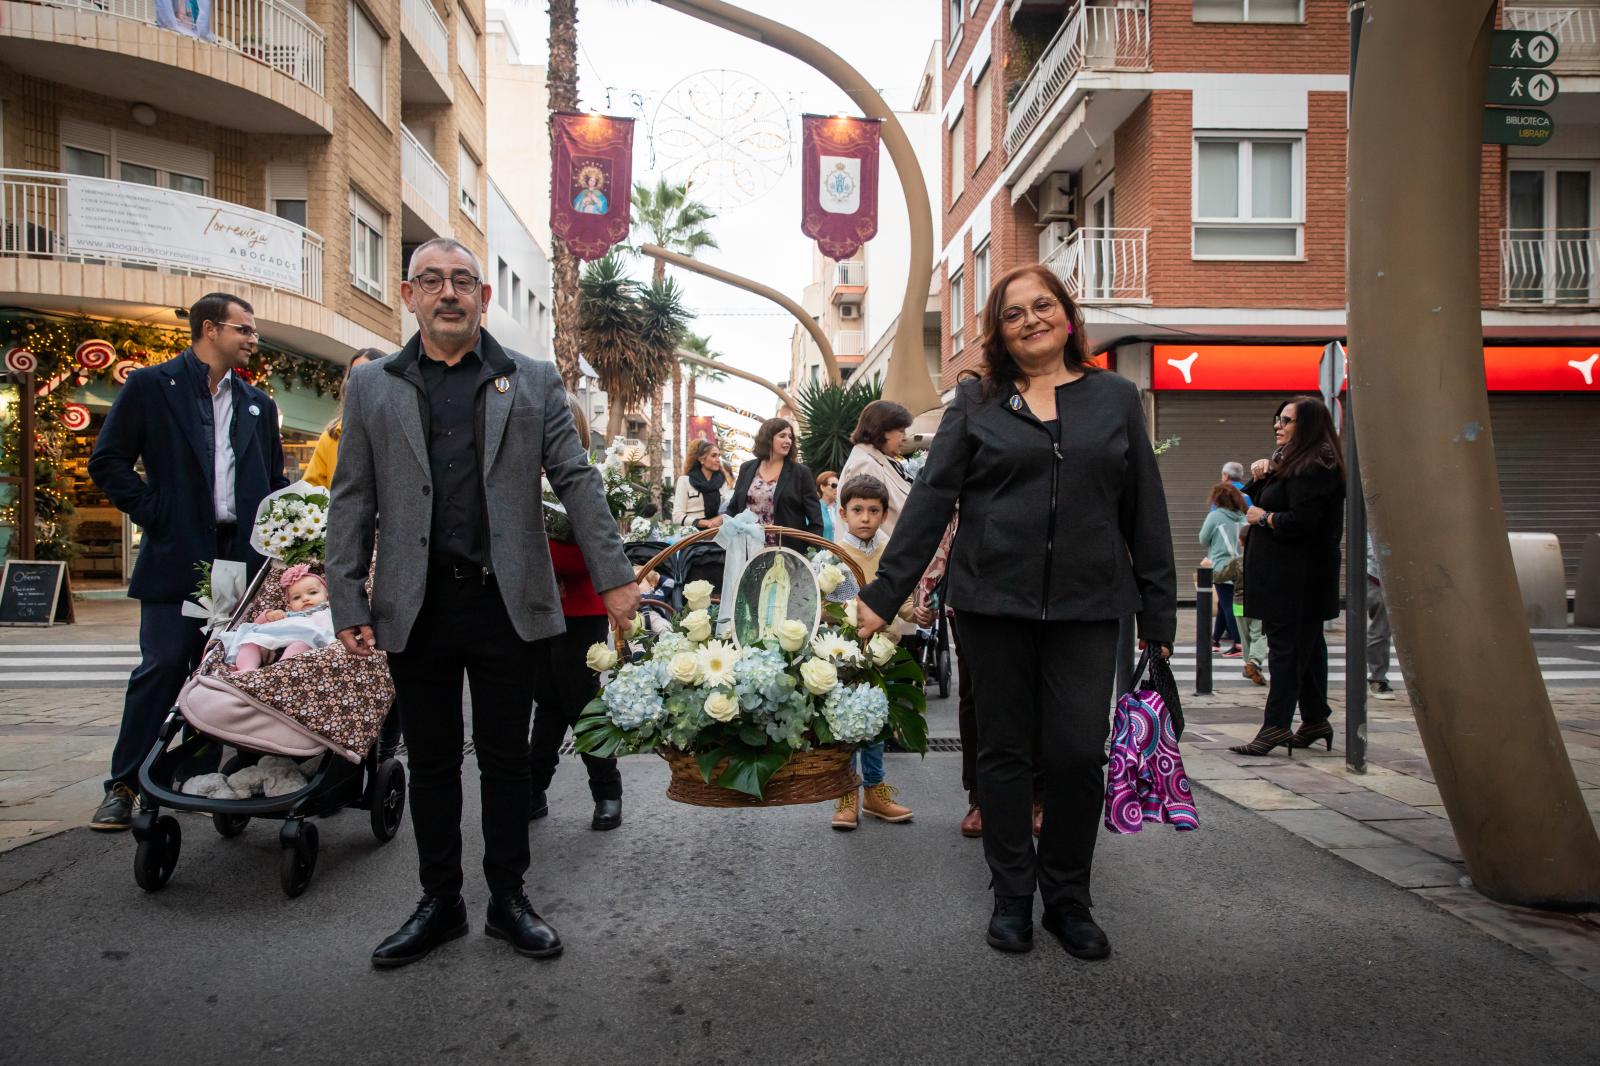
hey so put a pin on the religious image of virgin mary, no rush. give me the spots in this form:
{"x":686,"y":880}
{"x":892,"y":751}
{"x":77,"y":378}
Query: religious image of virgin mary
{"x":591,"y":198}
{"x":774,"y":600}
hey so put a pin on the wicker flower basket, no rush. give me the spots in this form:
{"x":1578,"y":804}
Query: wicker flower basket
{"x":819,"y":775}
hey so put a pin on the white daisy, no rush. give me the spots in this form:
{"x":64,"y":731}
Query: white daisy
{"x":717,"y":659}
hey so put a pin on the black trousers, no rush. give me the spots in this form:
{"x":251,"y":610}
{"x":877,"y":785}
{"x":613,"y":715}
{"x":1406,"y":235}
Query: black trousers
{"x":170,"y":647}
{"x":563,"y":687}
{"x":1043,"y":694}
{"x":1298,"y":656}
{"x":463,"y":629}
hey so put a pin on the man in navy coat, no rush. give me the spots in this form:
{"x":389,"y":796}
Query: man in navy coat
{"x":211,"y":452}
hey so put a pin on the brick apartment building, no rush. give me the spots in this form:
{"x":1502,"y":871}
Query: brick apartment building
{"x":1180,"y":164}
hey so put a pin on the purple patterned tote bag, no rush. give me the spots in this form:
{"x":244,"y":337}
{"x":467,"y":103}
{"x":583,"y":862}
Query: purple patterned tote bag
{"x":1145,"y":781}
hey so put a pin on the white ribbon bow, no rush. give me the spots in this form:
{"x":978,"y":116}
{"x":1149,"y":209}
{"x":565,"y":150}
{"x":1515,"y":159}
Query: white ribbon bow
{"x":741,"y":537}
{"x":228,"y":581}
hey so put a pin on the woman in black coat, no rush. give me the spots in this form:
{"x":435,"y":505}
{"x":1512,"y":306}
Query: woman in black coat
{"x":781,"y":491}
{"x":1063,"y":532}
{"x":1291,"y":567}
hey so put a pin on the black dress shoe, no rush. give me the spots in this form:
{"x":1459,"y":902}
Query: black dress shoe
{"x":115,"y":811}
{"x":435,"y":921}
{"x":538,"y":807}
{"x":1011,"y":925}
{"x":607,"y":814}
{"x":1077,"y":931}
{"x":512,"y":918}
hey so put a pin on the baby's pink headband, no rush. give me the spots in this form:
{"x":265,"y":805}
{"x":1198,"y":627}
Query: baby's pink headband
{"x":295,"y":573}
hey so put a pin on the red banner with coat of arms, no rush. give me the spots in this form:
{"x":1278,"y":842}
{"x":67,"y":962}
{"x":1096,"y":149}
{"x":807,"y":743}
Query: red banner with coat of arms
{"x":591,"y":181}
{"x":839,"y":183}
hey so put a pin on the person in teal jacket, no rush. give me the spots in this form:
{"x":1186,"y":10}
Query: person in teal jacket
{"x":1220,"y":535}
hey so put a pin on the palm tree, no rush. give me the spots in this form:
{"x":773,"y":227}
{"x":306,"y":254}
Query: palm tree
{"x":830,"y":413}
{"x":610,"y":319}
{"x":667,"y":217}
{"x":663,"y":327}
{"x":562,"y":83}
{"x":700,"y":346}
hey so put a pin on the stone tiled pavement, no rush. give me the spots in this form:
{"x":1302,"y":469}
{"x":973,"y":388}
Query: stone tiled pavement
{"x":55,"y":744}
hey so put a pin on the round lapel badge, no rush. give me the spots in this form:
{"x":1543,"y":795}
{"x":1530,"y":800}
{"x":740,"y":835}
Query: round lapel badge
{"x":254,"y":409}
{"x":502,"y":384}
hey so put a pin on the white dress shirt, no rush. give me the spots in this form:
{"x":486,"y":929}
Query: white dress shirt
{"x":222,"y":450}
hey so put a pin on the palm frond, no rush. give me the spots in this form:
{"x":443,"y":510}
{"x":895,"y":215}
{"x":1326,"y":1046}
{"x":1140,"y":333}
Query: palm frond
{"x":830,"y":413}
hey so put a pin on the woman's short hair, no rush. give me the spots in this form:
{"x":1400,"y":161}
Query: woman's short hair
{"x":1225,"y":497}
{"x":999,"y":367}
{"x":770,"y":429}
{"x":824,"y":476}
{"x":879,"y":419}
{"x":863,"y":487}
{"x":697,"y":451}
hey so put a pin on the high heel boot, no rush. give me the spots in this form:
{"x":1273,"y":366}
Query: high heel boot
{"x":1269,"y":738}
{"x":1308,"y":734}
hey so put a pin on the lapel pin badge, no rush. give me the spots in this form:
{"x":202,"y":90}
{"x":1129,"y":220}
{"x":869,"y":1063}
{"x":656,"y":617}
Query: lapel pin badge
{"x":1016,"y":403}
{"x":502,"y":384}
{"x":254,"y":409}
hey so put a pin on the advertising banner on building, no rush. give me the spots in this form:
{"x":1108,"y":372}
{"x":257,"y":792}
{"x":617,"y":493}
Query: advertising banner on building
{"x":592,"y":184}
{"x":1293,"y":368}
{"x":192,"y":18}
{"x":123,"y":220}
{"x":839,"y":183}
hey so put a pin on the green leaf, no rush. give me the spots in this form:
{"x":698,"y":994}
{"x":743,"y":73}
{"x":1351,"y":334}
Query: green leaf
{"x":749,"y":771}
{"x":753,"y":735}
{"x":819,"y":726}
{"x":707,"y":761}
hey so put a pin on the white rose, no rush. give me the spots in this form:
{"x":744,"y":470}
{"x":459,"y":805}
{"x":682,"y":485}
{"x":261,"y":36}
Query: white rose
{"x":636,"y":625}
{"x":684,"y":667}
{"x":696,"y":625}
{"x":600,"y":658}
{"x":850,"y":614}
{"x":722,"y":706}
{"x":829,"y":578}
{"x":881,"y":648}
{"x":792,"y":634}
{"x":697,"y":595}
{"x":819,"y":676}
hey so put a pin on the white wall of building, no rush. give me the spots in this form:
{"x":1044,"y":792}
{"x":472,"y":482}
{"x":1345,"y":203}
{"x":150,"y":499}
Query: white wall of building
{"x":519,"y":314}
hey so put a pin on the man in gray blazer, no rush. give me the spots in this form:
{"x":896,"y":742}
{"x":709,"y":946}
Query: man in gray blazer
{"x":446,"y":439}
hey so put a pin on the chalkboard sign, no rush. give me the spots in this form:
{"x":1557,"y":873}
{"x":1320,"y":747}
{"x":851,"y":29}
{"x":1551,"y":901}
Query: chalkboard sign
{"x":34,"y":593}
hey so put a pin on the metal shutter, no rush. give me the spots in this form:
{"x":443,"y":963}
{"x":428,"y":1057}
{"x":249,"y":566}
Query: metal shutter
{"x":1548,"y":449}
{"x":1215,"y":427}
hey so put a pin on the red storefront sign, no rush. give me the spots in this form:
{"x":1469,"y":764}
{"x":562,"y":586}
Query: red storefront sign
{"x":1293,"y":368}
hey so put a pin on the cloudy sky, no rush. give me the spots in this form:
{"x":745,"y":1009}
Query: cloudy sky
{"x":642,"y":60}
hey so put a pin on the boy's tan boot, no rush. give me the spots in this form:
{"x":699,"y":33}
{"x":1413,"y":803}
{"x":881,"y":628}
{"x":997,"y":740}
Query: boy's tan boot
{"x":878,"y":801}
{"x":844,"y":812}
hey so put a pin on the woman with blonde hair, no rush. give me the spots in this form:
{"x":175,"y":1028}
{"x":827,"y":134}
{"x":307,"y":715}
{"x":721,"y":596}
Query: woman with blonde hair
{"x":697,"y":497}
{"x":326,"y":456}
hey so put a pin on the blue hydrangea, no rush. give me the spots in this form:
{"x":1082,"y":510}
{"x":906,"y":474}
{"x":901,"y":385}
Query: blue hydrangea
{"x":631,"y":698}
{"x":761,"y":679}
{"x":856,"y":713}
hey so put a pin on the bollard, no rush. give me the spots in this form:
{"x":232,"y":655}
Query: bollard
{"x":1203,"y":592}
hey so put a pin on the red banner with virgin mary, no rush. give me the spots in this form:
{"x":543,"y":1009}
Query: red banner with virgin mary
{"x":839,"y":183}
{"x":591,"y":181}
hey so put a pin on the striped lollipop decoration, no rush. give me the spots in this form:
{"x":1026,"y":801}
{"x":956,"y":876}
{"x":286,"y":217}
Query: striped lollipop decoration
{"x":95,"y":354}
{"x":75,"y":417}
{"x":123,"y":370}
{"x":21,"y":361}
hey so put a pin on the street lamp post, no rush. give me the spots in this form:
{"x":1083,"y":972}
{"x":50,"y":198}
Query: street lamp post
{"x":907,"y":381}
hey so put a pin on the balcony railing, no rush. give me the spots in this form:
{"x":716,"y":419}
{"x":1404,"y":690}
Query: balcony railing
{"x":1104,"y":265}
{"x":850,"y":273}
{"x":849,"y":342}
{"x":423,"y":174}
{"x":431,"y":33}
{"x":1549,"y":268}
{"x":1092,"y":38}
{"x":45,"y":215}
{"x":268,"y":31}
{"x":1576,"y":29}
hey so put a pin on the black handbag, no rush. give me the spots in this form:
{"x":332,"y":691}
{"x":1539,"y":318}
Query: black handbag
{"x":1161,"y":682}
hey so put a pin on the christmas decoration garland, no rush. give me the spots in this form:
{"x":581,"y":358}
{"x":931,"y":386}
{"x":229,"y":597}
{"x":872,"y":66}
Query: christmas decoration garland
{"x":66,"y":353}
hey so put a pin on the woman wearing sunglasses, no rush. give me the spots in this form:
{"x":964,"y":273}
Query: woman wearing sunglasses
{"x":1063,"y":532}
{"x":1291,"y":570}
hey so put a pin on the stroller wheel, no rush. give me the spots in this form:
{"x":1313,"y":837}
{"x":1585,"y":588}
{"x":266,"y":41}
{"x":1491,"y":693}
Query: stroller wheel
{"x":299,"y":858}
{"x":229,"y":825}
{"x":157,"y":856}
{"x":388,"y":805}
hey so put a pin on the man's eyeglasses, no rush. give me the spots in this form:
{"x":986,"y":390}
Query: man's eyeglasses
{"x":1043,"y":307}
{"x":1282,"y":421}
{"x":247,"y":332}
{"x":433,"y":284}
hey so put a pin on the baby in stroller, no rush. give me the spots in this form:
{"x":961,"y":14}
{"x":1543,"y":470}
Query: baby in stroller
{"x":306,"y":625}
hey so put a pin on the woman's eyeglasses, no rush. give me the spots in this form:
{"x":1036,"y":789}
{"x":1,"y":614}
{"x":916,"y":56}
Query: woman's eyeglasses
{"x":1282,"y":421}
{"x":1043,"y":307}
{"x":433,"y":284}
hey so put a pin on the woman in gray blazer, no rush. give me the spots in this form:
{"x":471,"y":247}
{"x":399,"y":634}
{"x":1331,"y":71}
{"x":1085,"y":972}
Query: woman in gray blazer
{"x":1063,"y":532}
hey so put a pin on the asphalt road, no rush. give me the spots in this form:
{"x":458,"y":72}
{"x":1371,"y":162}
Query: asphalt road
{"x":760,"y":936}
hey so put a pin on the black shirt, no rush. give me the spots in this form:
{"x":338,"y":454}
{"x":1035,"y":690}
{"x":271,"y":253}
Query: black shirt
{"x":459,"y":528}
